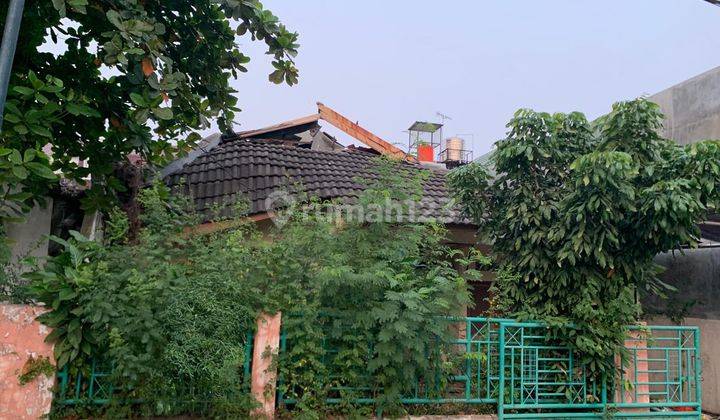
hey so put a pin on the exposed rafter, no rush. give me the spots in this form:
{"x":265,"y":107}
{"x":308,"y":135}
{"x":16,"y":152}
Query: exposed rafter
{"x":359,"y":133}
{"x":283,"y":125}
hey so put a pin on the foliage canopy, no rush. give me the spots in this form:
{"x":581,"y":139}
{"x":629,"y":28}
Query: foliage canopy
{"x":126,"y":76}
{"x":576,"y":212}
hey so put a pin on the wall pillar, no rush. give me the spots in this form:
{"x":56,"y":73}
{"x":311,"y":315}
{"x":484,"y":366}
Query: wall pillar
{"x":264,"y":374}
{"x":636,"y":344}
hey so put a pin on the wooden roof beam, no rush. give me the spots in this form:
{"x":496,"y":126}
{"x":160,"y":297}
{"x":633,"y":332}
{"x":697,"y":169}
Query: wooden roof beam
{"x":362,"y":135}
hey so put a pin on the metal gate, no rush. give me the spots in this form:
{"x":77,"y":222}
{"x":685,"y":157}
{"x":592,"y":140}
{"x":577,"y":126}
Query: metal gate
{"x":661,"y":378}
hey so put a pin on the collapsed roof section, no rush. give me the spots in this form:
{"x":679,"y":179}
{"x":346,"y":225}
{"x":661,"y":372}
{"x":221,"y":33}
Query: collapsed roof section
{"x":306,"y":132}
{"x":302,"y":132}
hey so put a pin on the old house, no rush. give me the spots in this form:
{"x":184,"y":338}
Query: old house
{"x":259,"y":163}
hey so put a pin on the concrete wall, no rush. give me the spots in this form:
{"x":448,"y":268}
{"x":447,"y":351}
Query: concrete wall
{"x":30,"y":237}
{"x":692,"y":113}
{"x":696,"y":275}
{"x":692,"y":108}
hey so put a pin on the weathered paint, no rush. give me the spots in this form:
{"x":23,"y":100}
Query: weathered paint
{"x":635,"y":372}
{"x":22,"y":338}
{"x":264,"y":375}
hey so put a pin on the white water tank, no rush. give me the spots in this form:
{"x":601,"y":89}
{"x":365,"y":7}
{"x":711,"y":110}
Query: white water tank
{"x":454,"y":147}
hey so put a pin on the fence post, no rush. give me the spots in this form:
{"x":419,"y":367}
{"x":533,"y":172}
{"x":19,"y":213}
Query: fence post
{"x":698,"y":366}
{"x":264,"y":373}
{"x":501,"y":373}
{"x":636,"y":372}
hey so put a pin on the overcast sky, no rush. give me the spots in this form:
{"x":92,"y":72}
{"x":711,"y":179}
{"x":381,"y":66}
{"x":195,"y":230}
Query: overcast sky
{"x":389,"y":63}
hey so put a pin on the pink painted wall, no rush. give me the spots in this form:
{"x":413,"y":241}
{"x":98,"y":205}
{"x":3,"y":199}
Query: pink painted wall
{"x":637,"y":344}
{"x":265,"y":346}
{"x":22,"y":337}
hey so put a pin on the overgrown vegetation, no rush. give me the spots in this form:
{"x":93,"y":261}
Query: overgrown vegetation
{"x":35,"y":367}
{"x":576,"y":213}
{"x":170,"y":311}
{"x":372,"y":294}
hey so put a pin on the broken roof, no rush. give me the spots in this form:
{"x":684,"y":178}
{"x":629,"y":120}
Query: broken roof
{"x":298,"y":124}
{"x":256,"y":168}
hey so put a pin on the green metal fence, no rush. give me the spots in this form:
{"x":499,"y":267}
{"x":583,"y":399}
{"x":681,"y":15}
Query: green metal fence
{"x":543,"y":380}
{"x":527,"y":375}
{"x":96,"y":387}
{"x":474,"y":379}
{"x":515,"y":366}
{"x":93,"y":387}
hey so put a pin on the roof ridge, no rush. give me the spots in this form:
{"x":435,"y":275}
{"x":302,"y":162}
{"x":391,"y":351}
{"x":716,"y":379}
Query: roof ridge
{"x":266,"y":144}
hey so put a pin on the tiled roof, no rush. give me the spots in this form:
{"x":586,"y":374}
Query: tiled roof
{"x":255,"y":169}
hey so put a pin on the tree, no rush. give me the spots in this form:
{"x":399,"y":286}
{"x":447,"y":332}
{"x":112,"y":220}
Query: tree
{"x":578,"y":210}
{"x":137,"y":76}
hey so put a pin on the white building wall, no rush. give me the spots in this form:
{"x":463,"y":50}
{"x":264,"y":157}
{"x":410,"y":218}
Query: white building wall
{"x":30,"y":237}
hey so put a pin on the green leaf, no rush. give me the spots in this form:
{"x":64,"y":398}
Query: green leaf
{"x":19,"y":172}
{"x":23,"y":90}
{"x":78,"y":5}
{"x":60,"y":7}
{"x":141,"y":115}
{"x":12,"y":118}
{"x":41,"y":170}
{"x":41,"y":131}
{"x":15,"y":157}
{"x":163,"y":113}
{"x":277,"y":76}
{"x":114,"y":18}
{"x":67,"y":294}
{"x":80,"y":109}
{"x":138,"y":99}
{"x":29,"y":155}
{"x":22,"y":196}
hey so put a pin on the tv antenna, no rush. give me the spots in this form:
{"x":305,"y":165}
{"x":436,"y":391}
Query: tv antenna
{"x":442,"y":116}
